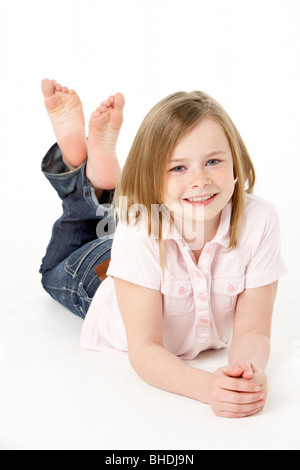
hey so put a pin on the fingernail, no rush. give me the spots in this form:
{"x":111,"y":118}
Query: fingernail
{"x":257,"y":389}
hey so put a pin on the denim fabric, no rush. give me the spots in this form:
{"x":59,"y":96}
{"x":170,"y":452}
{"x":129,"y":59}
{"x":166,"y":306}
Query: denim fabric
{"x":74,"y":250}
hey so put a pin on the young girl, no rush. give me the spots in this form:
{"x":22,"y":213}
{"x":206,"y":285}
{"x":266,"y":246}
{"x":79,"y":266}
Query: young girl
{"x":194,"y":255}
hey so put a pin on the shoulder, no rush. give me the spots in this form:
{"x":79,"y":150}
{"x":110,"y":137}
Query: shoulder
{"x":261,"y":217}
{"x":261,"y":221}
{"x":259,"y":210}
{"x":131,"y":230}
{"x":134,"y":236}
{"x":135,"y":256}
{"x":257,"y":205}
{"x":261,"y":235}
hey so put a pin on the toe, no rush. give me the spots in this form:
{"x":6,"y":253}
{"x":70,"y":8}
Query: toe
{"x":47,"y":87}
{"x":119,"y":101}
{"x":95,"y":114}
{"x":105,"y":103}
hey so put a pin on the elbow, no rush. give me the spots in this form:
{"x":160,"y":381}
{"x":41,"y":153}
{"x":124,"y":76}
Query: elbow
{"x":142,"y":359}
{"x":134,"y":358}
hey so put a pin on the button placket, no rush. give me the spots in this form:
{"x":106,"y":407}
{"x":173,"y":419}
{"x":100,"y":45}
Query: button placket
{"x":202,"y":324}
{"x":201,"y":283}
{"x":203,"y":333}
{"x":203,"y":317}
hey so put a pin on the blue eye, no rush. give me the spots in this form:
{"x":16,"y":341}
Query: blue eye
{"x":213,"y":162}
{"x":177,"y":169}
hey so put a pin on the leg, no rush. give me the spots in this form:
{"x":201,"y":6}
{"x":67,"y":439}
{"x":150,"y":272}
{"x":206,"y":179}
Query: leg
{"x":82,"y":211}
{"x":74,"y":251}
{"x":74,"y":282}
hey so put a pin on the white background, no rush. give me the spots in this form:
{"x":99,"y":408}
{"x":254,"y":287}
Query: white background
{"x":246,"y":55}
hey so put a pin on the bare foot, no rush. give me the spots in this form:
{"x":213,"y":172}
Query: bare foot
{"x":66,"y":114}
{"x":103,"y":169}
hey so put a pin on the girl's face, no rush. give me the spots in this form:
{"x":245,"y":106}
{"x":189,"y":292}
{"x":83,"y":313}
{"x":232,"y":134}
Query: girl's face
{"x":200,"y":177}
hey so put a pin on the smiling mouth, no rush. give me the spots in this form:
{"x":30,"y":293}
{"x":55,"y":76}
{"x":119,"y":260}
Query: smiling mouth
{"x":200,"y":199}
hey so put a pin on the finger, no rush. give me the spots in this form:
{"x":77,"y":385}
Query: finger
{"x":231,"y":414}
{"x":239,"y":385}
{"x":242,"y":369}
{"x":241,"y":398}
{"x":247,"y":408}
{"x":248,"y":374}
{"x":248,"y":370}
{"x":233,"y":371}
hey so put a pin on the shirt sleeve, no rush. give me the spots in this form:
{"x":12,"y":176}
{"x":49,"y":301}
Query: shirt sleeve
{"x":135,"y":257}
{"x":266,"y":265}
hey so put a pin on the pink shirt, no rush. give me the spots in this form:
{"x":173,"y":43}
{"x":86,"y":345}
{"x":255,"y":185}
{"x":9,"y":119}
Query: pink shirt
{"x":199,"y":300}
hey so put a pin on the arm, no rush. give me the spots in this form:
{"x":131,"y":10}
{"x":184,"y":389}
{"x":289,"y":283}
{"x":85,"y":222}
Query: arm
{"x":141,"y":309}
{"x":250,"y":348}
{"x":252,"y":326}
{"x":248,"y":355}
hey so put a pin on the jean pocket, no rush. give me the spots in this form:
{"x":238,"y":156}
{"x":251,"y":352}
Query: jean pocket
{"x":80,"y":301}
{"x":86,"y":257}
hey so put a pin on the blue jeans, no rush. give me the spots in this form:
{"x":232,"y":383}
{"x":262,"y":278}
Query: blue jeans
{"x":75,"y":249}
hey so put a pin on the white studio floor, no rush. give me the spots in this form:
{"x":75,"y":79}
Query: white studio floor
{"x":53,"y":395}
{"x":56,"y":396}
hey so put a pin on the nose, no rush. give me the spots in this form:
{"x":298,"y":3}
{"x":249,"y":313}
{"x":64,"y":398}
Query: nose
{"x":200,"y":178}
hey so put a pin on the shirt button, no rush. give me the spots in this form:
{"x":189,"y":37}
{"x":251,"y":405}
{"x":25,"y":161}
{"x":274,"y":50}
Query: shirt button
{"x":203,"y":298}
{"x":181,"y":290}
{"x":208,"y":251}
{"x":199,"y":275}
{"x":231,"y":288}
{"x":204,"y":320}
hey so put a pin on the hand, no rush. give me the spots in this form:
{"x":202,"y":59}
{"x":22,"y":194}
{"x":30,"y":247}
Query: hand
{"x":232,"y":396}
{"x":249,"y":371}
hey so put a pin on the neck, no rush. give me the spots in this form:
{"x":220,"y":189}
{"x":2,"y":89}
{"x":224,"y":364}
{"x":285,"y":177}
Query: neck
{"x":198,"y":234}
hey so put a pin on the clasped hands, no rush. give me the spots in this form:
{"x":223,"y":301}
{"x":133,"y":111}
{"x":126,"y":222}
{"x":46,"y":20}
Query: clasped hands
{"x":238,"y":390}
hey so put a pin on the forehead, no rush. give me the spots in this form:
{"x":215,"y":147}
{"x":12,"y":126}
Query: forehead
{"x":206,"y":137}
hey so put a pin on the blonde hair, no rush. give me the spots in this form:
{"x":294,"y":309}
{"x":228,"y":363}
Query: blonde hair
{"x":143,"y":176}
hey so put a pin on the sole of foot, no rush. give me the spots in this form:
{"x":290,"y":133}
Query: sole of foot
{"x":65,"y":111}
{"x":103,"y":169}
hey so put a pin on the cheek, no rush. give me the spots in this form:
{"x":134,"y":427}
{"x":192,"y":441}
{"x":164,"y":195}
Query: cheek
{"x":226,"y":184}
{"x":172,"y":188}
{"x":226,"y":179}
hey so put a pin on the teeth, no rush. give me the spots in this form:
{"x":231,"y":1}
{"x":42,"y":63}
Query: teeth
{"x":200,"y":199}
